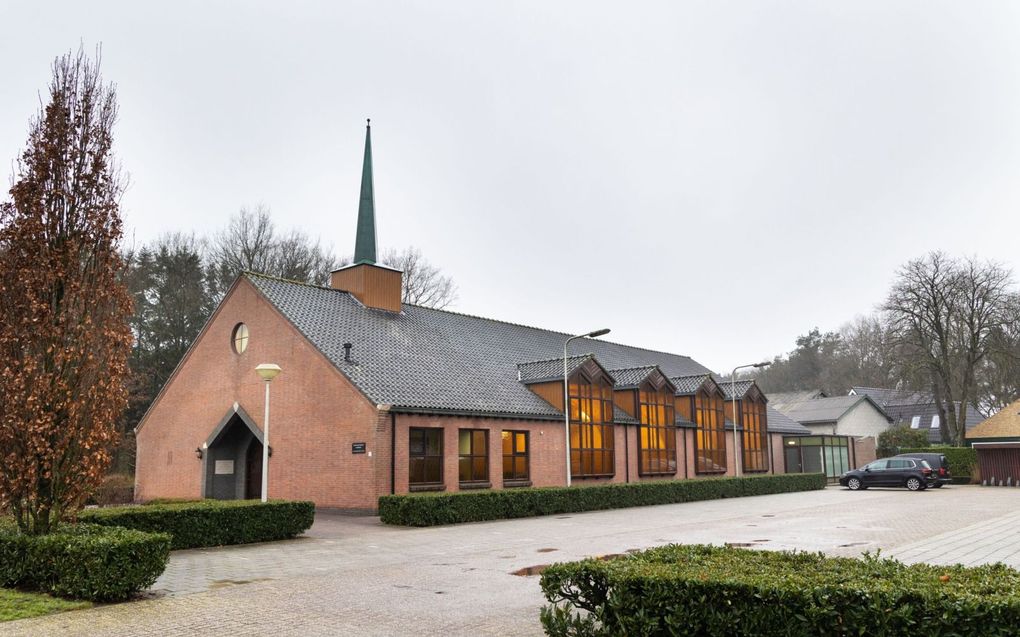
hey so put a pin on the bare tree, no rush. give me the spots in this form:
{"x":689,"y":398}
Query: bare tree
{"x":945,"y":313}
{"x":251,"y":242}
{"x":423,"y":283}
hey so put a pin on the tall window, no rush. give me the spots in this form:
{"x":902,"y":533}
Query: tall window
{"x":473,"y":447}
{"x":591,"y":428}
{"x":755,"y":438}
{"x":657,"y":439}
{"x":425,"y":456}
{"x":710,"y":441}
{"x":515,"y":456}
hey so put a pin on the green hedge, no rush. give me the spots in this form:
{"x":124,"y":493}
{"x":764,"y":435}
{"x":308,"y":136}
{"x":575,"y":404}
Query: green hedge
{"x":83,"y":561}
{"x":211,"y":522}
{"x":474,"y":506}
{"x":704,"y":590}
{"x":962,"y":460}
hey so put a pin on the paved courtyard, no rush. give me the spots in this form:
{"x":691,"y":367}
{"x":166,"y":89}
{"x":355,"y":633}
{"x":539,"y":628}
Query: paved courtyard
{"x":354,"y":576}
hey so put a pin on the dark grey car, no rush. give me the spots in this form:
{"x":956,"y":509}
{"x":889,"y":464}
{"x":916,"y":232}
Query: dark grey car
{"x":913,"y":473}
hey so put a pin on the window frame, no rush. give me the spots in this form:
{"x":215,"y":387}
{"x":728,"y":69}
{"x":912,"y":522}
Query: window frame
{"x":663,"y":412}
{"x":709,"y":430}
{"x":585,"y":428}
{"x":471,"y":457}
{"x":515,"y":453}
{"x":754,"y":438}
{"x":425,"y":456}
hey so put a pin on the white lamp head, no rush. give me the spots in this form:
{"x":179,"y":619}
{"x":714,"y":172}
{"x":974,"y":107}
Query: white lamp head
{"x":268,"y":371}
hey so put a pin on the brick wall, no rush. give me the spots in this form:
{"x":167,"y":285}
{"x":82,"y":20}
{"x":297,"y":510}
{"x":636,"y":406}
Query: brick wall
{"x":315,"y":413}
{"x":316,"y":416}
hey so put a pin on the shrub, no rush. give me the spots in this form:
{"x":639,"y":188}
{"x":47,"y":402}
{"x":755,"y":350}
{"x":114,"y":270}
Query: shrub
{"x":83,"y":561}
{"x":705,"y":590}
{"x":212,"y":522}
{"x":962,"y":460}
{"x":116,"y":488}
{"x":474,"y":506}
{"x":895,"y":440}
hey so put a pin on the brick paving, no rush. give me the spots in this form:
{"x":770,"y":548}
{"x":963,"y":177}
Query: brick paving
{"x":354,"y":576}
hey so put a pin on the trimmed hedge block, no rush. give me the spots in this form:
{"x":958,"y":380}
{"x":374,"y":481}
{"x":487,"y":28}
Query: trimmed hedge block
{"x":431,"y":509}
{"x":211,"y":522}
{"x":83,"y":561}
{"x":706,"y":590}
{"x":962,"y":460}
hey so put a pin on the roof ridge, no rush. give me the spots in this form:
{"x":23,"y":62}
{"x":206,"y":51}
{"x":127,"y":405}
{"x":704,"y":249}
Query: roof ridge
{"x":281,"y":279}
{"x":624,"y":369}
{"x":541,"y":329}
{"x":693,"y":375}
{"x":465,"y":314}
{"x":558,"y":358}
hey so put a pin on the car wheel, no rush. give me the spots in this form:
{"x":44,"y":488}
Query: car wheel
{"x":914,"y":484}
{"x":853,"y":484}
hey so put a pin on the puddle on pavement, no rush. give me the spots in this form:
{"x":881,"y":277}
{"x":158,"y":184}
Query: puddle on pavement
{"x":223,"y":583}
{"x":846,"y":546}
{"x":740,"y":545}
{"x":528,"y":571}
{"x":546,"y":550}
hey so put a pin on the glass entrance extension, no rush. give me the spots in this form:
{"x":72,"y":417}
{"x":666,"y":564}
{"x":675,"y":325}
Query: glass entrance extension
{"x":831,"y":455}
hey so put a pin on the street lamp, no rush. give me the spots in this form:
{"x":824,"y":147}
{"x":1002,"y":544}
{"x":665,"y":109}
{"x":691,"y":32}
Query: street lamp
{"x":267,"y":372}
{"x":733,"y":396}
{"x":566,"y":395}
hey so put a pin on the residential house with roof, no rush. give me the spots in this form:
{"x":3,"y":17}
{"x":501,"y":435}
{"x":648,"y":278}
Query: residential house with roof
{"x":377,"y":396}
{"x":913,"y":408}
{"x":837,"y":415}
{"x":997,"y":443}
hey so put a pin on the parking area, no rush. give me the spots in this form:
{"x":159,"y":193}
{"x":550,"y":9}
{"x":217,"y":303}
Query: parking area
{"x":352,"y":575}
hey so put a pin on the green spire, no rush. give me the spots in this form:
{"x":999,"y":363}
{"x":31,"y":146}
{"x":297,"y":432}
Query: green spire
{"x":364,"y":244}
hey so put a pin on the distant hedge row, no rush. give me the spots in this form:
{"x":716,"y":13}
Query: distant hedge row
{"x":713,"y":591}
{"x":473,"y":506}
{"x":83,"y":561}
{"x":211,"y":522}
{"x":962,"y":460}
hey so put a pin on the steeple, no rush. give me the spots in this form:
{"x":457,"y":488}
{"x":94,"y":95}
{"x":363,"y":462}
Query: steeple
{"x":364,"y":244}
{"x":375,"y":285}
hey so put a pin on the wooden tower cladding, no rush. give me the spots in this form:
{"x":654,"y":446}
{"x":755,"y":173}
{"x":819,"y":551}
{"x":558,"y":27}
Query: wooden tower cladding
{"x":374,"y":285}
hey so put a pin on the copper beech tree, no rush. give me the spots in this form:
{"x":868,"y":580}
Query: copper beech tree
{"x":64,"y":335}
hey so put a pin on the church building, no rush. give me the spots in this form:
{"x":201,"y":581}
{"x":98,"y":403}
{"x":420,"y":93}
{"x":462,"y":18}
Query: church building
{"x":377,"y":396}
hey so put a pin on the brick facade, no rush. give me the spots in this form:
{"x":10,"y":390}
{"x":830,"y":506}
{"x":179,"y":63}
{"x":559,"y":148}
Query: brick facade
{"x":317,"y":415}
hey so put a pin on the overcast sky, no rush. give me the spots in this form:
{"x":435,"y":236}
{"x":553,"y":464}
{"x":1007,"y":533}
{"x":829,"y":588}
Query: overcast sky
{"x":708,"y":178}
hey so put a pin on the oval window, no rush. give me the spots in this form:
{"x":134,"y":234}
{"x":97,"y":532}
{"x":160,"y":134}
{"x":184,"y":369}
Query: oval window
{"x":240,"y":338}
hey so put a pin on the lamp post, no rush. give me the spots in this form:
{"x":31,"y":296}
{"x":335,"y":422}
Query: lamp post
{"x":733,"y":396}
{"x":267,"y":372}
{"x":566,"y":395}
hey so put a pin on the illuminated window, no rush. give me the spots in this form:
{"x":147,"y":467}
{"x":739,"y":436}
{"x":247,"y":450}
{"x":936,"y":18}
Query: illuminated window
{"x":515,"y":456}
{"x":591,"y":427}
{"x":473,"y":447}
{"x":657,"y":432}
{"x":915,"y":422}
{"x":240,"y":338}
{"x":935,"y":422}
{"x":710,"y":438}
{"x":755,"y":437}
{"x":425,"y":456}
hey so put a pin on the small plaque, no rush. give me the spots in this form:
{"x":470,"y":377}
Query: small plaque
{"x":357,"y":447}
{"x":224,"y":467}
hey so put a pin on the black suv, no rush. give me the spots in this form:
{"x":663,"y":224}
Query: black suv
{"x":912,"y":473}
{"x":939,"y":465}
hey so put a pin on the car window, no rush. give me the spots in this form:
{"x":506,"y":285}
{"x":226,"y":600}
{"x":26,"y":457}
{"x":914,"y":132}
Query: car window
{"x":878,"y":464}
{"x":924,"y":463}
{"x":899,"y":464}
